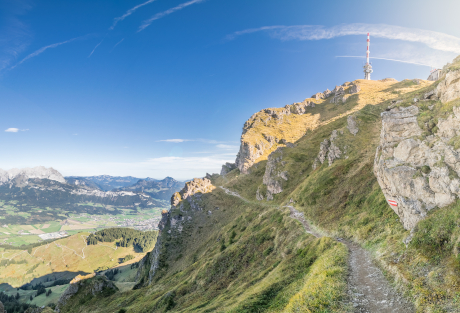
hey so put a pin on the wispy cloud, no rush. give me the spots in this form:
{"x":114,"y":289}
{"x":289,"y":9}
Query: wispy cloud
{"x":117,"y":44}
{"x":128,"y":13}
{"x":157,"y":16}
{"x":209,"y":141}
{"x":15,"y":130}
{"x":377,"y":58}
{"x":95,"y":48}
{"x":227,"y":147}
{"x":15,"y":36}
{"x":43,"y":49}
{"x":434,"y":40}
{"x":174,"y":140}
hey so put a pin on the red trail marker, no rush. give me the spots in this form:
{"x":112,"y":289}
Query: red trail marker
{"x":392,"y":203}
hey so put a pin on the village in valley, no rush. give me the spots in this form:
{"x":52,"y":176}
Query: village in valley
{"x":17,"y":235}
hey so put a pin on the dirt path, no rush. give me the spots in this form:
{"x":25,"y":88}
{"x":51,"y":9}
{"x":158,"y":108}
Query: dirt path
{"x":232,"y":193}
{"x":368,"y":289}
{"x":299,"y":216}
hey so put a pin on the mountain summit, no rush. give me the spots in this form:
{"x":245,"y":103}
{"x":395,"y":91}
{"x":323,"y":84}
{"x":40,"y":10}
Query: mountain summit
{"x":20,"y":176}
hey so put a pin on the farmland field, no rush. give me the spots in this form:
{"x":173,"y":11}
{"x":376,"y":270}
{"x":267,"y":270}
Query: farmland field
{"x":17,"y":234}
{"x":61,"y":259}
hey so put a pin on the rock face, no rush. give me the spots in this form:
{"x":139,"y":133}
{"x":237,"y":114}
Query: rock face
{"x":92,"y":286}
{"x":183,"y":204}
{"x":341,"y":94}
{"x":261,"y":133}
{"x":227,"y":167}
{"x":435,"y":75}
{"x":274,"y":174}
{"x":352,"y":125}
{"x":149,"y":264}
{"x":418,"y":173}
{"x":2,"y":308}
{"x":338,"y":93}
{"x":449,"y":88}
{"x":267,"y":129}
{"x":197,"y":185}
{"x":329,"y":150}
{"x":21,"y":176}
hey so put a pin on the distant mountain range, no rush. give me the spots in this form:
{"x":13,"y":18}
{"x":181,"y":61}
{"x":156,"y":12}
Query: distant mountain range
{"x":103,"y":182}
{"x":158,"y":189}
{"x":39,"y":194}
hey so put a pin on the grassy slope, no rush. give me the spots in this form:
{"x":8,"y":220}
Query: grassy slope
{"x":64,"y":255}
{"x":267,"y":259}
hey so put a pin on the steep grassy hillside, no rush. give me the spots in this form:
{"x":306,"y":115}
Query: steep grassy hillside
{"x":237,"y":256}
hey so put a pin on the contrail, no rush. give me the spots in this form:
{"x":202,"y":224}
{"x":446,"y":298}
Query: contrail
{"x":128,"y":13}
{"x":95,"y":48}
{"x":117,"y":44}
{"x":434,"y":40}
{"x":409,"y":62}
{"x":41,"y":50}
{"x":157,"y":16}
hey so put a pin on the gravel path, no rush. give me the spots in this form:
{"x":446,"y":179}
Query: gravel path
{"x":232,"y":193}
{"x":368,"y":289}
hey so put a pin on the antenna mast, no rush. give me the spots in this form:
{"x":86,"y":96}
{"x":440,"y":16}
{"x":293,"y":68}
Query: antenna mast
{"x":367,"y":68}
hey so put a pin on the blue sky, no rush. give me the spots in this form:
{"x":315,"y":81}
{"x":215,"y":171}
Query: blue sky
{"x":163,"y":87}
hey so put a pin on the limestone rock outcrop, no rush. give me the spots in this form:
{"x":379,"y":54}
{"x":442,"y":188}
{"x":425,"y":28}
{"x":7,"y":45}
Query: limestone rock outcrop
{"x":329,"y":150}
{"x":227,"y":167}
{"x":435,"y":75}
{"x":197,"y":185}
{"x":355,"y":88}
{"x":352,"y":125}
{"x":2,"y":308}
{"x":183,"y":205}
{"x":266,"y":129}
{"x":338,"y":93}
{"x":418,"y":173}
{"x":93,"y":286}
{"x":261,"y":133}
{"x":274,"y":175}
{"x":449,"y":88}
{"x":341,"y":93}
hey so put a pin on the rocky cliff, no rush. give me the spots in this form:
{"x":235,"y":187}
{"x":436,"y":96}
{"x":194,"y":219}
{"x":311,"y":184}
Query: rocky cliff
{"x":417,"y":163}
{"x":271,"y":128}
{"x":183,"y":206}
